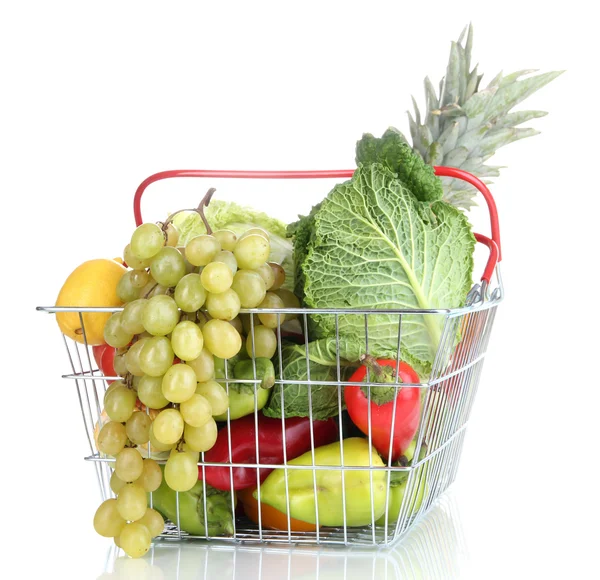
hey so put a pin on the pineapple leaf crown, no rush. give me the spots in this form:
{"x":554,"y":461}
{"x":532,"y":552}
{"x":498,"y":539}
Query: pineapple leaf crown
{"x":464,"y":126}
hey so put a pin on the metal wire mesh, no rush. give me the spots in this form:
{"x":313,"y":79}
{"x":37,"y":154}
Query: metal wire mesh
{"x":447,"y":389}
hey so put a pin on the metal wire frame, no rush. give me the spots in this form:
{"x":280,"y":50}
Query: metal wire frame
{"x":435,"y":549}
{"x":447,"y":392}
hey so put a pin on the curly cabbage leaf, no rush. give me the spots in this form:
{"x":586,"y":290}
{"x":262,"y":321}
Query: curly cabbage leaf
{"x":396,"y":154}
{"x":374,"y":245}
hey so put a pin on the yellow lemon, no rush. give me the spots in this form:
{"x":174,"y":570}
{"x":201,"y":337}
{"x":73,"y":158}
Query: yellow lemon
{"x":93,"y":283}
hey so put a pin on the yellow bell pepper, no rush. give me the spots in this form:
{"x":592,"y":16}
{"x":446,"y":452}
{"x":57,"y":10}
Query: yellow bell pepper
{"x":361,"y":487}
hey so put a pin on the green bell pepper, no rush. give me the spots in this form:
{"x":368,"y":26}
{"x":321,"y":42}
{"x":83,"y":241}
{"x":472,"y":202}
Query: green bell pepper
{"x":241,"y":395}
{"x":357,"y":486}
{"x":191,"y":509}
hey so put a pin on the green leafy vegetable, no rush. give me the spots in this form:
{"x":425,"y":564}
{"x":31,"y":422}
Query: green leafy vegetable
{"x":374,"y":245}
{"x":322,"y":366}
{"x":231,"y":216}
{"x":396,"y":154}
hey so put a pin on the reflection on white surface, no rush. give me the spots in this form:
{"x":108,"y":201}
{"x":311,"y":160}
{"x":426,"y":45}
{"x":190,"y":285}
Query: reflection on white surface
{"x":434,"y":549}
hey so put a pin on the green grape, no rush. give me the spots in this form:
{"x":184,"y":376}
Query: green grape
{"x":132,"y":357}
{"x":194,"y":454}
{"x":146,"y":241}
{"x":116,"y":484}
{"x":265,"y":343}
{"x":216,"y":396}
{"x":112,"y":438}
{"x":190,"y":295}
{"x":201,"y":438}
{"x":202,"y":249}
{"x":138,"y":428}
{"x":181,"y":471}
{"x":237,"y":324}
{"x":151,"y":477}
{"x":135,"y":540}
{"x":189,"y":268}
{"x":266,"y":273}
{"x":129,"y":464}
{"x":160,"y":315}
{"x":168,"y":426}
{"x":153,"y":521}
{"x":196,"y":410}
{"x":250,"y":287}
{"x":156,"y":444}
{"x":150,"y":392}
{"x":157,"y":356}
{"x":119,"y":364}
{"x":131,"y":502}
{"x":135,"y":381}
{"x":112,"y":387}
{"x":120,"y":403}
{"x":290,"y":300}
{"x":216,"y":277}
{"x":132,"y":261}
{"x":224,"y":306}
{"x":227,"y":257}
{"x":168,"y":267}
{"x":179,"y":383}
{"x":131,"y":317}
{"x":204,"y":366}
{"x":139,"y":278}
{"x":172,"y":235}
{"x":107,"y":520}
{"x":126,"y":291}
{"x":278,"y":275}
{"x":255,"y":231}
{"x":226,"y":238}
{"x":187,"y":340}
{"x":221,"y":338}
{"x":252,"y":251}
{"x":271,"y":301}
{"x":153,"y":289}
{"x":114,"y":334}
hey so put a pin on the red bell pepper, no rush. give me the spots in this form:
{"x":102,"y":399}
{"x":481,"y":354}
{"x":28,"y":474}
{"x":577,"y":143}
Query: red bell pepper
{"x":270,"y":447}
{"x":408,"y":401}
{"x":105,"y":357}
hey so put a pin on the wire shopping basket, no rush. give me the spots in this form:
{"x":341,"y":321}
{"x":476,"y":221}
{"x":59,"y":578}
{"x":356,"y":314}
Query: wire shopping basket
{"x":390,"y":495}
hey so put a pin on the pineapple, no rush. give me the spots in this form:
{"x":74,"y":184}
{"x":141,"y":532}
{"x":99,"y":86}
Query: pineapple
{"x":464,"y":126}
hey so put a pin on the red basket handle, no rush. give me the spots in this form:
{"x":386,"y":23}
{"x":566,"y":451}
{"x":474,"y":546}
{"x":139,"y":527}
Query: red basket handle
{"x":493,"y":244}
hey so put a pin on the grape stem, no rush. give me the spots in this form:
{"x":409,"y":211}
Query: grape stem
{"x":199,"y":210}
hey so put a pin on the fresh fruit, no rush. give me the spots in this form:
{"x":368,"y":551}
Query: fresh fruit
{"x":108,"y":522}
{"x":135,"y":540}
{"x":93,"y":283}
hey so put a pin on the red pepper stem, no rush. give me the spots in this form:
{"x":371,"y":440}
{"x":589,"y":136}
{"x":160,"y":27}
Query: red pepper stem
{"x":370,"y":362}
{"x":383,"y":374}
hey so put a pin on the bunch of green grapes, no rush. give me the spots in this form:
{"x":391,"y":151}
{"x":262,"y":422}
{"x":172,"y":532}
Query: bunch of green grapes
{"x":182,"y":309}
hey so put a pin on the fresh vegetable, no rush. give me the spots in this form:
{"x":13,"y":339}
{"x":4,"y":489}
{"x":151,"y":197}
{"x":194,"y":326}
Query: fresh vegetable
{"x":270,"y":447}
{"x":93,"y":283}
{"x":326,"y":400}
{"x":224,"y":215}
{"x":398,"y":485}
{"x":397,"y":406}
{"x":192,"y":518}
{"x":104,"y":355}
{"x":270,"y":517}
{"x":372,"y":244}
{"x":242,"y":396}
{"x":361,"y":487}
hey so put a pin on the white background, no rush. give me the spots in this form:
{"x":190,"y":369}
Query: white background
{"x":97,"y":96}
